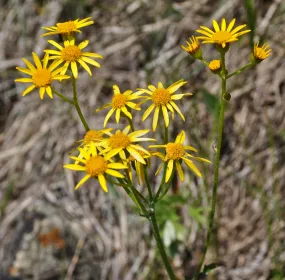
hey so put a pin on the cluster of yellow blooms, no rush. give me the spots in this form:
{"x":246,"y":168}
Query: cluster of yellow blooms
{"x":222,"y":36}
{"x":102,"y":153}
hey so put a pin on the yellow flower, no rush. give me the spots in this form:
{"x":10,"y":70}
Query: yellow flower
{"x":122,"y":142}
{"x":222,"y":35}
{"x":193,"y":48}
{"x":137,"y":166}
{"x":68,"y":27}
{"x":175,"y":154}
{"x":215,"y":65}
{"x":96,"y":166}
{"x":41,"y":75}
{"x":71,"y":53}
{"x":163,"y":98}
{"x":260,"y":53}
{"x":120,"y":102}
{"x":95,"y":136}
{"x":92,"y":136}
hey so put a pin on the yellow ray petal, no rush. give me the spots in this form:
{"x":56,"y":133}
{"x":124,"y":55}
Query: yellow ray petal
{"x":237,"y":29}
{"x":223,"y":25}
{"x":147,"y":112}
{"x":174,"y":87}
{"x":136,"y":154}
{"x":231,"y":25}
{"x":30,"y":65}
{"x":108,"y":116}
{"x":117,"y":165}
{"x":216,"y":26}
{"x":75,"y":167}
{"x":55,"y":44}
{"x":165,"y":115}
{"x":169,"y":170}
{"x":74,"y":69}
{"x":102,"y":182}
{"x":42,"y":92}
{"x":24,"y":80}
{"x":83,"y":44}
{"x":207,"y":29}
{"x":114,"y":173}
{"x":25,"y":70}
{"x":82,"y":181}
{"x":95,"y":55}
{"x":192,"y":166}
{"x":118,"y":114}
{"x":49,"y":91}
{"x":91,"y":61}
{"x":179,"y":171}
{"x":177,"y":110}
{"x":85,"y":66}
{"x":27,"y":90}
{"x":37,"y":61}
{"x":155,"y":118}
{"x":113,"y":153}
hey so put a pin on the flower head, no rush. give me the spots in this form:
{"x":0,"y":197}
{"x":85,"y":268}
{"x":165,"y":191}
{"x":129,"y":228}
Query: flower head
{"x":177,"y":152}
{"x":221,"y":35}
{"x":215,"y":65}
{"x":260,"y":53}
{"x":67,"y":28}
{"x":92,"y":136}
{"x":96,"y":166}
{"x":193,"y":48}
{"x":163,"y":99}
{"x":119,"y":103}
{"x":41,"y":75}
{"x":70,"y":54}
{"x":122,"y":142}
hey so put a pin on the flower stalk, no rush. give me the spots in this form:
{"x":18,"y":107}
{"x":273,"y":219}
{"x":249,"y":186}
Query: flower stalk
{"x":217,"y":163}
{"x":76,"y":104}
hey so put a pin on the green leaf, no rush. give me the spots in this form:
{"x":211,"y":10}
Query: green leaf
{"x":197,"y":213}
{"x":212,"y":102}
{"x":169,"y":234}
{"x":210,"y":267}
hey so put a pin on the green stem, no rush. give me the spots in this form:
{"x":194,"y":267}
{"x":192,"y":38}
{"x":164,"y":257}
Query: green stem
{"x":217,"y":166}
{"x":62,"y":97}
{"x":166,"y":135}
{"x":239,"y":70}
{"x":148,"y":184}
{"x":161,"y":246}
{"x":75,"y":103}
{"x":205,"y":62}
{"x":131,"y":123}
{"x":162,"y":183}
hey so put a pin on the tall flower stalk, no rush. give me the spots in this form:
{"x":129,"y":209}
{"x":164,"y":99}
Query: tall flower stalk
{"x":114,"y":158}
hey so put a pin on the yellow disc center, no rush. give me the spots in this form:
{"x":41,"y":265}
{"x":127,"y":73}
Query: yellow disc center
{"x":66,"y":27}
{"x":260,"y":53}
{"x":42,"y":78}
{"x":71,"y":53}
{"x":119,"y":101}
{"x":95,"y":166}
{"x":119,"y":140}
{"x":215,"y":64}
{"x":160,"y":97}
{"x":92,"y":135}
{"x":221,"y":37}
{"x":174,"y":151}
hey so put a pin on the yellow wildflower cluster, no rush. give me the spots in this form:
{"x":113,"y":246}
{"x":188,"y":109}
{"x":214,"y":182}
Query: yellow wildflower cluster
{"x":42,"y":75}
{"x":103,"y":154}
{"x":222,"y":36}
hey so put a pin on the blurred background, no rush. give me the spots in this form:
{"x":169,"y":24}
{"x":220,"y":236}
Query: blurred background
{"x":49,"y":231}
